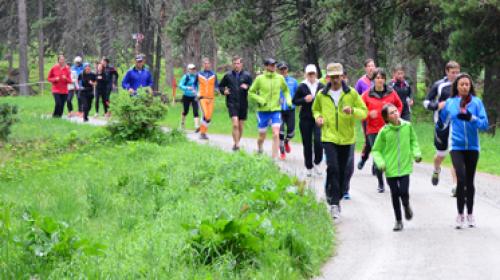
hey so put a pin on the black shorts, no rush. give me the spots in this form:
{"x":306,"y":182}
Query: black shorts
{"x":239,"y":110}
{"x":441,"y":135}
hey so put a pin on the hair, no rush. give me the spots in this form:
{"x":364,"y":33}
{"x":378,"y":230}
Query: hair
{"x":385,"y":111}
{"x":106,"y":59}
{"x":454,"y":89}
{"x":451,"y":64}
{"x":379,"y":71}
{"x":398,"y":67}
{"x":205,"y":60}
{"x":236,"y":58}
{"x":367,"y":61}
{"x":59,"y":56}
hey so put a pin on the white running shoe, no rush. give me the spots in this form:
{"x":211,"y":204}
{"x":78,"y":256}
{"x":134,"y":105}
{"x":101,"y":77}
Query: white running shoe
{"x":317,"y":170}
{"x":460,"y":221}
{"x":335,"y":212}
{"x":471,"y":222}
{"x":309,"y":172}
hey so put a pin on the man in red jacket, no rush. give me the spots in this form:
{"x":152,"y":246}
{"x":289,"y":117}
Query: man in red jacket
{"x":60,"y":77}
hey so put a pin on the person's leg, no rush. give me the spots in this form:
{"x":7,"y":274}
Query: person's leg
{"x":235,"y":131}
{"x":332,"y":188}
{"x":186,"y":102}
{"x":378,"y":172}
{"x":79,"y":101}
{"x":471,"y":158}
{"x":366,"y":147}
{"x":240,"y":130}
{"x":69,"y":101}
{"x":349,"y":170}
{"x":306,"y":130}
{"x":262,"y":123}
{"x":458,"y":160}
{"x":290,"y":129}
{"x":57,"y":102}
{"x":105,"y":101}
{"x":395,"y":197}
{"x":97,"y":97}
{"x":196,"y":114}
{"x":282,"y":136}
{"x":318,"y":145}
{"x":85,"y":105}
{"x":204,"y":121}
{"x":404,"y":189}
{"x":62,"y":102}
{"x":276,"y":140}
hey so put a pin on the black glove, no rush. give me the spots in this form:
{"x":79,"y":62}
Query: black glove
{"x":467,"y":116}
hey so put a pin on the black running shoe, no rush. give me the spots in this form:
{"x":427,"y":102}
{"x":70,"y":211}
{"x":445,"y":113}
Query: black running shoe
{"x":398,"y":226}
{"x":408,"y":213}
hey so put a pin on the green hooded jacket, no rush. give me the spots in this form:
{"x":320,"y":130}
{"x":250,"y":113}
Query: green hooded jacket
{"x":265,"y":90}
{"x":395,"y":149}
{"x":338,"y":127}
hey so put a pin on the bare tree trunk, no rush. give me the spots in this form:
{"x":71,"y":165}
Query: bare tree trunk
{"x":491,"y":86}
{"x":310,"y":49}
{"x":156,"y":73}
{"x":23,"y":46}
{"x":369,"y":36}
{"x":214,"y":49}
{"x":41,"y":48}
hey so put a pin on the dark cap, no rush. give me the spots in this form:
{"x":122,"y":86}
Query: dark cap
{"x":282,"y":65}
{"x":269,"y":61}
{"x":139,"y":57}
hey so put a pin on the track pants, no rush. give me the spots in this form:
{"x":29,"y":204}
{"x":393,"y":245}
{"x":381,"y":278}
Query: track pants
{"x":308,"y":131}
{"x":207,"y":107}
{"x":338,"y":172}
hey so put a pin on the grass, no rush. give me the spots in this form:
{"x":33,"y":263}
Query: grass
{"x":73,"y":205}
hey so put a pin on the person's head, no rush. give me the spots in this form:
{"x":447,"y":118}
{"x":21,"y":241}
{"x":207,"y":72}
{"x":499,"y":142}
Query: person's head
{"x":237,"y":63}
{"x":452,"y":70}
{"x":206,"y":64}
{"x":311,"y":73}
{"x":139,"y":61}
{"x":398,"y":72}
{"x":335,"y":71}
{"x":345,"y":78}
{"x":105,"y":61}
{"x":191,"y":68}
{"x":100,"y":67}
{"x":369,"y":67}
{"x":379,"y":78}
{"x":86,"y":68}
{"x":77,"y":60}
{"x":60,"y":60}
{"x":270,"y":64}
{"x":462,"y":86}
{"x":390,"y":114}
{"x":283,"y":68}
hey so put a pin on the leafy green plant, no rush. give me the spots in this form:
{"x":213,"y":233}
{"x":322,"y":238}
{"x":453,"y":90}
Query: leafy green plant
{"x":7,"y":119}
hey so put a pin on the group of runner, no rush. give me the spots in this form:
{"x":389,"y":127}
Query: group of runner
{"x":329,"y":111}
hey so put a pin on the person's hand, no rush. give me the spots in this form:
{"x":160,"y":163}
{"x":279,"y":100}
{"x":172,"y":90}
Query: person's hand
{"x":410,"y":102}
{"x":373,"y":114}
{"x":244,"y":86}
{"x":57,"y":79}
{"x":226,"y":91}
{"x":347,"y":109}
{"x":308,"y":98}
{"x":131,"y":90}
{"x":381,"y":168}
{"x":63,"y":77}
{"x":320,"y":121}
{"x":467,"y":116}
{"x":190,"y":88}
{"x":418,"y":159}
{"x":441,"y":105}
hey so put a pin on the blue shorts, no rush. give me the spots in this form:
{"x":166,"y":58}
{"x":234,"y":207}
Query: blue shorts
{"x":268,"y":118}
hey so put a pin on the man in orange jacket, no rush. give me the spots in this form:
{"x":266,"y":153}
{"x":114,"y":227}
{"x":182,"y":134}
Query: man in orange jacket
{"x":206,"y":84}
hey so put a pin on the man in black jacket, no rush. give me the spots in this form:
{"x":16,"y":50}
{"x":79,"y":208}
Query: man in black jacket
{"x":234,"y":85}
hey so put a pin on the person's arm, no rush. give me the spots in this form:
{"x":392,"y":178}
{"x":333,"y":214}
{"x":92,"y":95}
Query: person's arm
{"x":430,"y":102}
{"x":182,"y":84}
{"x":286,"y":92}
{"x":359,"y":110}
{"x":252,"y":92}
{"x":415,"y":148}
{"x":316,"y":108}
{"x":51,"y":77}
{"x":397,"y":102}
{"x":299,"y":97}
{"x":358,"y":87}
{"x":480,"y":119}
{"x":149,"y":80}
{"x":378,"y":149}
{"x":223,"y":84}
{"x":125,"y":81}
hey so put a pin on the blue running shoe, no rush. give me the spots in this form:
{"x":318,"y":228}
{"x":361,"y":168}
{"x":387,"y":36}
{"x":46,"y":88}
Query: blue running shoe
{"x":347,"y":196}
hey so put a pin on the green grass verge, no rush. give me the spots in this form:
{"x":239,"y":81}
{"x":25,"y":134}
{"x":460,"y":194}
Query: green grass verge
{"x":75,"y":206}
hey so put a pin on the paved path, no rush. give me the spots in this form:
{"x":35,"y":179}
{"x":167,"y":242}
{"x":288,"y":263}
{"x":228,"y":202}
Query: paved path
{"x":428,"y":248}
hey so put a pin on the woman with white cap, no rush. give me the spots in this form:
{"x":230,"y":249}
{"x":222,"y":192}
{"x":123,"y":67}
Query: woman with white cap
{"x":304,"y":97}
{"x":187,"y":85}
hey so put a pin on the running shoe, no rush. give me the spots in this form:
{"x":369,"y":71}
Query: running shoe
{"x":203,"y":136}
{"x":347,"y":196}
{"x":408,"y":213}
{"x":435,"y":177}
{"x":309,"y":172}
{"x":236,"y":148}
{"x":460,"y":221}
{"x":282,"y":156}
{"x":454,"y":192}
{"x":335,"y":212}
{"x":381,"y":189}
{"x":398,"y":226}
{"x":361,"y":164}
{"x":317,"y":170}
{"x":197,"y":130}
{"x":288,"y":149}
{"x":471,"y":222}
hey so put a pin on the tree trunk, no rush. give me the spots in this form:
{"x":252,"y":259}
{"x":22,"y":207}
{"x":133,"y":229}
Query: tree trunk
{"x":310,"y":50}
{"x":490,"y":95}
{"x":370,"y":46}
{"x":156,"y":73}
{"x":23,"y":46}
{"x":41,"y":48}
{"x":434,"y":65}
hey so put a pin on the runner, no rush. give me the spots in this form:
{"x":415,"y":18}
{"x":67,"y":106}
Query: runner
{"x":206,"y":83}
{"x":335,"y":110}
{"x":104,"y":79}
{"x":435,"y":101}
{"x":466,"y":115}
{"x":395,"y":149}
{"x":403,"y":89}
{"x":304,"y":97}
{"x":364,"y":83}
{"x":266,"y":92}
{"x":375,"y":98}
{"x":73,"y":89}
{"x":88,"y":81}
{"x":138,"y":77}
{"x":60,"y":77}
{"x":189,"y":97}
{"x":234,"y":86}
{"x":287,"y":112}
{"x":110,"y":70}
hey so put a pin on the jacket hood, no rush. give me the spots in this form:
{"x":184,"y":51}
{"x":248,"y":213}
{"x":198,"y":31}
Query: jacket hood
{"x":345,"y":88}
{"x":387,"y":90}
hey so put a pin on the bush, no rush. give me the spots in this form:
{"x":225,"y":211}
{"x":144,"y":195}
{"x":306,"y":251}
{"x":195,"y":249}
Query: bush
{"x":7,"y":118}
{"x":136,"y":118}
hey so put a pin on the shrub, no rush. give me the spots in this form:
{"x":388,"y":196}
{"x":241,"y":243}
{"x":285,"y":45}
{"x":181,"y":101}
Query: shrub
{"x":7,"y":118}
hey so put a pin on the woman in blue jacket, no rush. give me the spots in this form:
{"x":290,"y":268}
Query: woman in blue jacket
{"x":466,"y":115}
{"x":187,"y":85}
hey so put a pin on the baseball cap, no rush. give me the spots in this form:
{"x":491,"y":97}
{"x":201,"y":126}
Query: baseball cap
{"x":191,"y":66}
{"x":311,"y":68}
{"x":78,"y":59}
{"x":139,"y":57}
{"x":269,"y":61}
{"x":334,"y":69}
{"x":282,"y":65}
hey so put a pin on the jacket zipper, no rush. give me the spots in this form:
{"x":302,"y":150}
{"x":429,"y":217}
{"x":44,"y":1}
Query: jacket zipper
{"x":337,"y":110}
{"x":399,"y":155}
{"x":465,"y":134}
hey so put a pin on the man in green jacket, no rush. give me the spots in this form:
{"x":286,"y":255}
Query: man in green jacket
{"x":336,"y":109}
{"x":265,"y":90}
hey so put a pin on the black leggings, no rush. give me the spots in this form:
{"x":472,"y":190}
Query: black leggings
{"x":308,"y":130}
{"x":288,"y":120}
{"x":399,"y":193}
{"x":86,"y":97}
{"x":69,"y":101}
{"x":378,"y":172}
{"x":465,"y":163}
{"x":59,"y":100}
{"x":367,"y":148}
{"x":186,"y":102}
{"x":104,"y":94}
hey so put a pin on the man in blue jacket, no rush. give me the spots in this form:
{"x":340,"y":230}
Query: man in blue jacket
{"x":287,"y":112}
{"x":137,"y":77}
